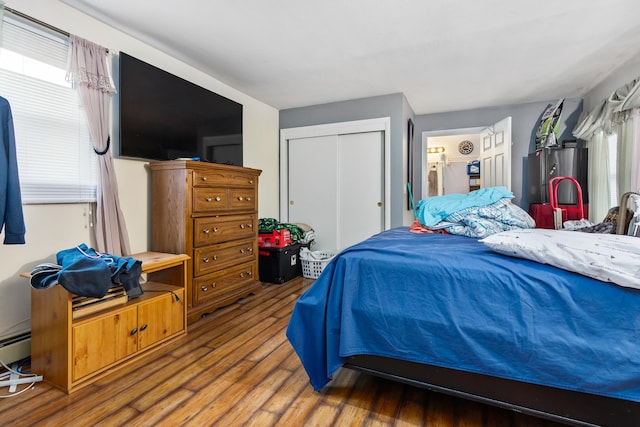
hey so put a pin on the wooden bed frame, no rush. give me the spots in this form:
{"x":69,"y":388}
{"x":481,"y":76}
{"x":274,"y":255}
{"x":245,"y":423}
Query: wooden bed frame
{"x":564,"y":406}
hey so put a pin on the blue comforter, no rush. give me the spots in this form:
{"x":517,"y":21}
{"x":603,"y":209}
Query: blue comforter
{"x":450,"y":301}
{"x":432,"y":210}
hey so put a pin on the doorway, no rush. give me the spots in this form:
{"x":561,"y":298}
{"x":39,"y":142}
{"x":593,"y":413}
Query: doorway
{"x":444,"y":170}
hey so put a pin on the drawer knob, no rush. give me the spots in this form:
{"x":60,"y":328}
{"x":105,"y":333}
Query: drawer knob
{"x":249,"y":273}
{"x":205,"y":259}
{"x":242,"y":226}
{"x":215,"y":257}
{"x":215,"y":229}
{"x":208,"y":199}
{"x":248,"y":199}
{"x":241,"y":251}
{"x":250,"y":225}
{"x":206,"y":288}
{"x":250,"y":181}
{"x":240,"y":198}
{"x":206,"y":231}
{"x":204,"y":178}
{"x":218,"y":198}
{"x":249,"y":249}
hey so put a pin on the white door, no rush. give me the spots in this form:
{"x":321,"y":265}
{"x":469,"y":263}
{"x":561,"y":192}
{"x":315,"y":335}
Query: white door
{"x":360,"y":187}
{"x":495,"y":155}
{"x":313,"y":178}
{"x":336,"y":186}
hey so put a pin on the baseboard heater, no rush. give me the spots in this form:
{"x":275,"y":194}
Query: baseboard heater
{"x":15,"y":348}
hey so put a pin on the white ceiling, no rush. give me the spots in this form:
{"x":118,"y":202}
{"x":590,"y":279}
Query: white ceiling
{"x":444,"y":55}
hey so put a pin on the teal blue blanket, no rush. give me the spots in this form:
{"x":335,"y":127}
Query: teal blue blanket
{"x":435,"y":209}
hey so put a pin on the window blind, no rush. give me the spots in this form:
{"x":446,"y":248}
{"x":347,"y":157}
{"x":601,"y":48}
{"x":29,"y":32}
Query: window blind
{"x":55,"y":160}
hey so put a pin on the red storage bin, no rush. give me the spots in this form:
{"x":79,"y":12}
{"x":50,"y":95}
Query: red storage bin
{"x":275,"y":239}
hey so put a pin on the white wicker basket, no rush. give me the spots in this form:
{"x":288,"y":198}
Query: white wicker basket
{"x":311,"y":269}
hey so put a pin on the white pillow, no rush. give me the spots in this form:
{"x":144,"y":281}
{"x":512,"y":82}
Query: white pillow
{"x":606,"y":257}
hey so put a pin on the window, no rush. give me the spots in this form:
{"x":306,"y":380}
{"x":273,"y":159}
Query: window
{"x":55,"y":157}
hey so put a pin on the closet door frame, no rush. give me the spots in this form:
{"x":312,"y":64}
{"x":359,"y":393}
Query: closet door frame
{"x":358,"y":126}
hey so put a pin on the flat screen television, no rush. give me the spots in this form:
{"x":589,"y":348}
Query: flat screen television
{"x":164,"y":117}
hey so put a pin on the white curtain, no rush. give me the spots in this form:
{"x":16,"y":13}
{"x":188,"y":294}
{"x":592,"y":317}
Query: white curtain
{"x":618,"y":114}
{"x":598,"y":182}
{"x":87,"y":69}
{"x":627,"y":159}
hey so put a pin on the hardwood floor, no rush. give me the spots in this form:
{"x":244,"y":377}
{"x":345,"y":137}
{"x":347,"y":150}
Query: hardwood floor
{"x":235,"y":368}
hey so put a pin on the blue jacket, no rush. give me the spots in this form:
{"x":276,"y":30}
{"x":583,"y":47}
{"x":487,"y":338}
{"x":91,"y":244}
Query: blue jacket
{"x":84,"y":271}
{"x":11,"y":216}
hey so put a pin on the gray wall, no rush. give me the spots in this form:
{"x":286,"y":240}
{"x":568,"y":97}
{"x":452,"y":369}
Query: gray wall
{"x":524,"y":123}
{"x":393,"y":106}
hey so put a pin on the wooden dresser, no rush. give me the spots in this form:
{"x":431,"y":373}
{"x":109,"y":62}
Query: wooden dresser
{"x":210,"y":212}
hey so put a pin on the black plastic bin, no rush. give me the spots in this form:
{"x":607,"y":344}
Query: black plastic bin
{"x":279,"y":265}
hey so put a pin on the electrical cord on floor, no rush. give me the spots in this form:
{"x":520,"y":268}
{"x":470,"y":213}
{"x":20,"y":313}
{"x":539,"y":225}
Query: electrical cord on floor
{"x":8,"y":378}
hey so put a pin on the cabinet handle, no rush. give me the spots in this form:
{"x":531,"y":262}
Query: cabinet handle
{"x":240,"y":198}
{"x":143,"y":327}
{"x":133,"y":331}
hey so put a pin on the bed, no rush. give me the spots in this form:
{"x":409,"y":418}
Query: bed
{"x":451,"y":314}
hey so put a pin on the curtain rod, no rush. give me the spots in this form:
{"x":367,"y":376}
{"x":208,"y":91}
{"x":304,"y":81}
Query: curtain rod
{"x":36,"y":21}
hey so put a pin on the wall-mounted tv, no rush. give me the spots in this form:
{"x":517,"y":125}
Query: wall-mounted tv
{"x":164,"y":117}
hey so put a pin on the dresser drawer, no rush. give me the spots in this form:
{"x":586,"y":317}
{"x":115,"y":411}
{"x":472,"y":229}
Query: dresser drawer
{"x":225,"y":281}
{"x":210,"y":200}
{"x":227,"y":178}
{"x":223,"y":255}
{"x":208,"y":231}
{"x":243,"y":199}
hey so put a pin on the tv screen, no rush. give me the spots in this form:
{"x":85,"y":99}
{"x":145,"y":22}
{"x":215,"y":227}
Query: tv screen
{"x":164,"y":117}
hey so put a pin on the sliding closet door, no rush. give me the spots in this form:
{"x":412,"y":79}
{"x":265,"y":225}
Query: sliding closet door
{"x":336,"y":185}
{"x":313,"y":180}
{"x":360,"y":184}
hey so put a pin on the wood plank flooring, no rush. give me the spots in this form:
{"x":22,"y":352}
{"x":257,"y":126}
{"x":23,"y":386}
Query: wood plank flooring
{"x":236,"y":368}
